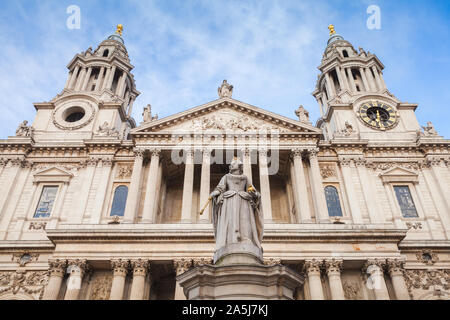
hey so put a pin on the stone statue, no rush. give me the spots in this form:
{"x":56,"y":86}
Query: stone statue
{"x":237,"y":216}
{"x":430,"y":130}
{"x":348,"y":129}
{"x":24,"y":130}
{"x":225,"y":90}
{"x":302,"y":114}
{"x":106,"y":131}
{"x":147,"y":114}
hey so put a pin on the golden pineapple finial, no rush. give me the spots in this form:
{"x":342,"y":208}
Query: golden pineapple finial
{"x":119,"y":30}
{"x":331,"y":28}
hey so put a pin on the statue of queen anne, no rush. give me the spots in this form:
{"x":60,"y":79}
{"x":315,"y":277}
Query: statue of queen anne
{"x":237,"y":216}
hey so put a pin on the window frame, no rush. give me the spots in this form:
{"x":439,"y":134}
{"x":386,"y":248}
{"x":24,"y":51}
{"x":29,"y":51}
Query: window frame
{"x":414,"y":196}
{"x":339,"y":193}
{"x":115,"y":186}
{"x":37,"y":198}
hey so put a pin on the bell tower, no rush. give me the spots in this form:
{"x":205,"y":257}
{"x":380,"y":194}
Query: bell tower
{"x":97,"y":99}
{"x":354,"y":100}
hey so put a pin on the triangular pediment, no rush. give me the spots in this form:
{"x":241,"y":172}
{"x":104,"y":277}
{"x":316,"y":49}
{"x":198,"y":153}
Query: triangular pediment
{"x":52,"y":175}
{"x":226,"y":114}
{"x":399,"y":174}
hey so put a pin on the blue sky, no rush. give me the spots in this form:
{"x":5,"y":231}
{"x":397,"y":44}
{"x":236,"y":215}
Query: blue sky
{"x":183,"y":49}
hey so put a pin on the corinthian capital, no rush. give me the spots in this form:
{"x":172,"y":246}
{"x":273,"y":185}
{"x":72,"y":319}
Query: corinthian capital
{"x":374,"y":265}
{"x":155,"y":152}
{"x":297,"y":153}
{"x":120,"y":267}
{"x":139,"y":152}
{"x":77,"y":267}
{"x":140,"y":267}
{"x":312,"y":266}
{"x":182,"y":265}
{"x":313,"y":152}
{"x":57,"y":267}
{"x":395,"y":266}
{"x":334,"y":266}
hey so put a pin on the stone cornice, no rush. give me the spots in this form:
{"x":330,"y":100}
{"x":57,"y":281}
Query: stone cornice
{"x":169,"y":233}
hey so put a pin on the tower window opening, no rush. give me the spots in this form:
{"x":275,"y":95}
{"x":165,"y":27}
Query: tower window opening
{"x":117,"y":76}
{"x":335,"y":79}
{"x":74,"y":114}
{"x":106,"y":53}
{"x":358,"y":88}
{"x":345,"y":53}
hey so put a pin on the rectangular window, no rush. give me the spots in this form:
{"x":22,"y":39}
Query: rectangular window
{"x":45,"y":206}
{"x":406,"y":202}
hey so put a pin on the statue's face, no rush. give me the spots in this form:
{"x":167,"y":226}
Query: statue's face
{"x":235,"y":167}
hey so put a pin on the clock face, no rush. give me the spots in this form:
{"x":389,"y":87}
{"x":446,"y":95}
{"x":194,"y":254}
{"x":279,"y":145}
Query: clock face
{"x":378,"y":115}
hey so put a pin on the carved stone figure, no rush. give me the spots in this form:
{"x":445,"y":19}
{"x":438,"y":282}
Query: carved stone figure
{"x":24,"y":130}
{"x":302,"y":114}
{"x":348,"y":131}
{"x":429,"y":130}
{"x":225,"y":90}
{"x":147,"y":114}
{"x":237,"y":215}
{"x":106,"y":131}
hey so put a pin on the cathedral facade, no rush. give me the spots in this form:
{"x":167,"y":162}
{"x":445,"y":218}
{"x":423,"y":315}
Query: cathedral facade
{"x":94,"y":206}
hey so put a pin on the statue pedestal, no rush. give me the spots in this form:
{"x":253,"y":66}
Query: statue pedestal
{"x":239,"y":274}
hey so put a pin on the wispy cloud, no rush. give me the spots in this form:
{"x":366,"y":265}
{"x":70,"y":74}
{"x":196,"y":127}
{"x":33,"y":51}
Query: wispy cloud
{"x":182,"y":50}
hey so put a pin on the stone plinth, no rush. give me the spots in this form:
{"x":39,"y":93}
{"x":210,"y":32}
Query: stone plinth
{"x":240,"y":282}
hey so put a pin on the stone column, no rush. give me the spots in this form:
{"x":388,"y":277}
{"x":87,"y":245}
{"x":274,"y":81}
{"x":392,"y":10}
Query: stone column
{"x":57,"y":271}
{"x":76,"y":268}
{"x":436,"y":196}
{"x":106,"y":80}
{"x":300,"y":187}
{"x":330,"y":86}
{"x":74,"y":77}
{"x":98,"y":84}
{"x":377,"y":77}
{"x":106,"y":167}
{"x":340,"y":79}
{"x":140,"y":269}
{"x":312,"y":269}
{"x":85,"y":187}
{"x":181,"y":266}
{"x":318,"y":190}
{"x":374,"y":269}
{"x":364,"y":79}
{"x":368,"y":191}
{"x":120,"y":269}
{"x":111,"y":78}
{"x":80,"y":80}
{"x":188,"y":188}
{"x":352,"y":80}
{"x":86,"y":79}
{"x":344,"y":78}
{"x":247,"y":161}
{"x":334,"y":269}
{"x":133,"y":193}
{"x":371,"y":80}
{"x":205,"y":185}
{"x":396,"y":269}
{"x":350,"y":190}
{"x":121,"y":85}
{"x":150,"y":201}
{"x":265,"y":185}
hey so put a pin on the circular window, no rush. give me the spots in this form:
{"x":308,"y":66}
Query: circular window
{"x":427,"y":257}
{"x":74,"y":114}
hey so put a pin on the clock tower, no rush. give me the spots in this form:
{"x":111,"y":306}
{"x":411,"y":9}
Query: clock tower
{"x":353,"y":98}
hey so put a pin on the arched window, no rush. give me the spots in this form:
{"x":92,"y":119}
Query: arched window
{"x":345,"y":53}
{"x":120,"y":201}
{"x":106,"y":53}
{"x":333,"y":203}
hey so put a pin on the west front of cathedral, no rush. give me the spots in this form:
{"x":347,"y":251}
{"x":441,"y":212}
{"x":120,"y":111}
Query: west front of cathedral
{"x":94,"y":206}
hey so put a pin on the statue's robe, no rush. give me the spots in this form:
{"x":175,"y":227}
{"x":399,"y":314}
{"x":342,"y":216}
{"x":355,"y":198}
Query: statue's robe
{"x":237,"y":214}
